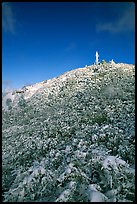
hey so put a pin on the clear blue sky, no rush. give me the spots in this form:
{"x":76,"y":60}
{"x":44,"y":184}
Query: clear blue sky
{"x":41,"y":40}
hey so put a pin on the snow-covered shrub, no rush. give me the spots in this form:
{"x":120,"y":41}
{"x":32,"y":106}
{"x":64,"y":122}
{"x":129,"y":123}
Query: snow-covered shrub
{"x":9,"y":103}
{"x":103,"y":61}
{"x":22,"y":102}
{"x":71,"y":141}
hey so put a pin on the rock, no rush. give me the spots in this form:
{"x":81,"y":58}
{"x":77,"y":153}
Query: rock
{"x":95,"y":195}
{"x":19,"y":91}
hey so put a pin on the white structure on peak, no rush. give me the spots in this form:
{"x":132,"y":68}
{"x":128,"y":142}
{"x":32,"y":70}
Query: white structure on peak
{"x":112,"y":61}
{"x":97,"y":55}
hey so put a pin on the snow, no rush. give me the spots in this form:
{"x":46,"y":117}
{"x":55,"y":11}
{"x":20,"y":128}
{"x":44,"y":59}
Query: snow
{"x":66,"y":193}
{"x":68,"y":149}
{"x":95,"y":195}
{"x":73,"y":140}
{"x":113,"y":162}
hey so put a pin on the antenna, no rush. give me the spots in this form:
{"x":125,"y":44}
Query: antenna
{"x":97,"y":55}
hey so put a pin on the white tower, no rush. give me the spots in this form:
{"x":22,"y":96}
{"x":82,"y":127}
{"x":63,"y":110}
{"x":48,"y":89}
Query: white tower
{"x":97,"y":55}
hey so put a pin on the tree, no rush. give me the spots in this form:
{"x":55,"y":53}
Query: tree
{"x":103,"y":61}
{"x":22,"y":102}
{"x":9,"y":103}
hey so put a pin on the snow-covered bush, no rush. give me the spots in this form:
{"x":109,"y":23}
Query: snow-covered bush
{"x":22,"y":102}
{"x":9,"y":103}
{"x":72,"y":140}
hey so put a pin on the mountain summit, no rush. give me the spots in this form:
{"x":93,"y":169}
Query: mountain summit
{"x":71,"y":138}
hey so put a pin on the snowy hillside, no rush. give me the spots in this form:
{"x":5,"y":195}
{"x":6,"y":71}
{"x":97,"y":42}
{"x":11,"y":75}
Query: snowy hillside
{"x":71,"y":138}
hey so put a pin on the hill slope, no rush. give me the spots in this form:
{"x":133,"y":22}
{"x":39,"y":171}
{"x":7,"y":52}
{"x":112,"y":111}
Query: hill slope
{"x":71,"y":138}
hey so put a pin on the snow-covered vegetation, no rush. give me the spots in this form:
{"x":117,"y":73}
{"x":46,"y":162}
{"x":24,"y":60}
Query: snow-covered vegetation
{"x":71,"y":138}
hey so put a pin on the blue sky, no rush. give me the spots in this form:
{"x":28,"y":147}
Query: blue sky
{"x":41,"y":40}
